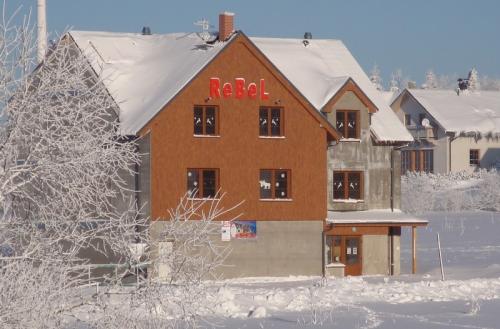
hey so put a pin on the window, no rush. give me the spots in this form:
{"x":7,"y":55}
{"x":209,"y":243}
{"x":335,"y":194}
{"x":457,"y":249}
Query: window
{"x":405,"y":161}
{"x":427,"y":161}
{"x":347,"y":185}
{"x":408,"y":119}
{"x":347,"y":123}
{"x":275,"y":184}
{"x":417,"y":160}
{"x":271,"y":121}
{"x":206,"y":120}
{"x":474,"y":157}
{"x":421,"y":117}
{"x":202,"y":183}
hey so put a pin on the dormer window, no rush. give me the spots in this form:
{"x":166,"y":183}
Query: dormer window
{"x":347,"y":123}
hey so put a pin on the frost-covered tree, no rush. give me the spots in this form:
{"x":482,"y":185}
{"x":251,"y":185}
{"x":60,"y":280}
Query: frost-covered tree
{"x":488,"y":83}
{"x":473,"y":78}
{"x":66,"y":199}
{"x":430,"y":80}
{"x":375,"y":77}
{"x":395,"y":84}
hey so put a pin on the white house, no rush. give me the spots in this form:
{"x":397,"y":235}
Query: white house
{"x":453,"y":131}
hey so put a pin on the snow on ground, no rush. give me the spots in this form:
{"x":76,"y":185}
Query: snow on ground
{"x":469,"y":298}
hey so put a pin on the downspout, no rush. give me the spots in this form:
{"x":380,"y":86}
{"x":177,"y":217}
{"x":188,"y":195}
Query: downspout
{"x":391,"y":250}
{"x":323,"y":233}
{"x":451,"y":138}
{"x":136,"y":188}
{"x":392,"y":173}
{"x":392,"y":180}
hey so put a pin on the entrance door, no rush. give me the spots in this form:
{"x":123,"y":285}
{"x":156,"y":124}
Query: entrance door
{"x":352,"y":255}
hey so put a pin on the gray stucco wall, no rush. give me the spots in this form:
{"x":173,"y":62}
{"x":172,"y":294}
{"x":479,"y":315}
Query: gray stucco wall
{"x":375,"y":254}
{"x":282,"y":248}
{"x":396,"y":250}
{"x":364,"y":155}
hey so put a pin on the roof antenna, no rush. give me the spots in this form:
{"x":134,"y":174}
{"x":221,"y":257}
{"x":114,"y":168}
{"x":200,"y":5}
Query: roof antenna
{"x":205,"y":25}
{"x":307,"y":36}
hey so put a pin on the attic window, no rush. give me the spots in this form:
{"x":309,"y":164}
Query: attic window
{"x":271,"y":121}
{"x":205,"y":121}
{"x":347,"y":123}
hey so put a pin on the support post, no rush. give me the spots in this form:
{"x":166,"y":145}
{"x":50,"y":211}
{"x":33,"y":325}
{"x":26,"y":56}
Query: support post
{"x":440,"y":257}
{"x":414,"y":249}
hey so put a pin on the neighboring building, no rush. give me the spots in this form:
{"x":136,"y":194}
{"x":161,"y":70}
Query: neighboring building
{"x":453,"y":131}
{"x":291,"y":126}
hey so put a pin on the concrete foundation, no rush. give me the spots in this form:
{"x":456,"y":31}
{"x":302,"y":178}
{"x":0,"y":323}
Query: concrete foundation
{"x":282,"y":248}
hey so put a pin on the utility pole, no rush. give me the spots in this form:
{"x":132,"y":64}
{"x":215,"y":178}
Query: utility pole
{"x":42,"y":30}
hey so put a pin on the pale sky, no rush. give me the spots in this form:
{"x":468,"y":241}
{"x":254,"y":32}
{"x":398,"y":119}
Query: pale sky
{"x":448,"y":36}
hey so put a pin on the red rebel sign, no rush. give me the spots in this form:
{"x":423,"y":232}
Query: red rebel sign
{"x":239,"y":90}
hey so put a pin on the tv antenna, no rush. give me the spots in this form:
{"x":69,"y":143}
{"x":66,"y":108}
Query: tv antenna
{"x":205,"y":25}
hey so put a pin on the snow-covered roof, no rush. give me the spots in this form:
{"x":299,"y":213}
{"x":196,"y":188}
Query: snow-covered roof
{"x":470,"y":112}
{"x":320,"y":69}
{"x":389,"y":96}
{"x":144,"y":72}
{"x":378,"y":216}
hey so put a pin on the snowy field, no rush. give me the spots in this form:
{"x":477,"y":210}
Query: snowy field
{"x":469,"y":298}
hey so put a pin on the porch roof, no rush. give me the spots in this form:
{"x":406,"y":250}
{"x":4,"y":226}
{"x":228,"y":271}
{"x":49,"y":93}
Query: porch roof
{"x":374,"y":217}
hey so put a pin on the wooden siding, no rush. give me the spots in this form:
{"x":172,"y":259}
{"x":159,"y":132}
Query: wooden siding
{"x":239,"y":153}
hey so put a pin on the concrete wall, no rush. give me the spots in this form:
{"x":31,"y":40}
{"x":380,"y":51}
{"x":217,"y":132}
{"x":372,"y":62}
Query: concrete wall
{"x":366,"y":156}
{"x":489,"y":152}
{"x":375,"y":254}
{"x":281,"y":248}
{"x":396,"y":253}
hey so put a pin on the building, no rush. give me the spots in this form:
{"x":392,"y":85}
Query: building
{"x":291,"y":126}
{"x":453,"y":131}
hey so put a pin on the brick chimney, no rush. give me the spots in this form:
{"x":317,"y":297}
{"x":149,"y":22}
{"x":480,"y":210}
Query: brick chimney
{"x":226,"y":25}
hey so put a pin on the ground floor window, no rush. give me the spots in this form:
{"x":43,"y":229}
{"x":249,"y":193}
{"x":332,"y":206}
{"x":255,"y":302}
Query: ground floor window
{"x":202,"y":183}
{"x":474,"y":157}
{"x":275,"y":184}
{"x":417,"y":160}
{"x":347,"y":185}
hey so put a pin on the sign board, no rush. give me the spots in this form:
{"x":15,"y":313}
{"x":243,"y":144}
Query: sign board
{"x":239,"y":90}
{"x":226,"y":231}
{"x":244,"y":229}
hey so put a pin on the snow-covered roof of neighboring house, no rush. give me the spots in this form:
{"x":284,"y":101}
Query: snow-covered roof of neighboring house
{"x":469,"y":112}
{"x":320,"y":69}
{"x":378,"y":216}
{"x":389,"y":96}
{"x":144,"y":72}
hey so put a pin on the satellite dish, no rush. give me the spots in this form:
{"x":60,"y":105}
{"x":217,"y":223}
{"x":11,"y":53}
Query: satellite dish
{"x":426,"y":123}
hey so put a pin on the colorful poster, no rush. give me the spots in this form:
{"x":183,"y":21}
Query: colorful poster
{"x":226,"y":231}
{"x":244,"y":229}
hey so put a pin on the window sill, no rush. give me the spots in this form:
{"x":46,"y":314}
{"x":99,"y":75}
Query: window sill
{"x":203,"y":199}
{"x":350,"y":140}
{"x":206,"y":136}
{"x":279,"y":200}
{"x":335,"y":265}
{"x":348,"y":200}
{"x":272,"y":137}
